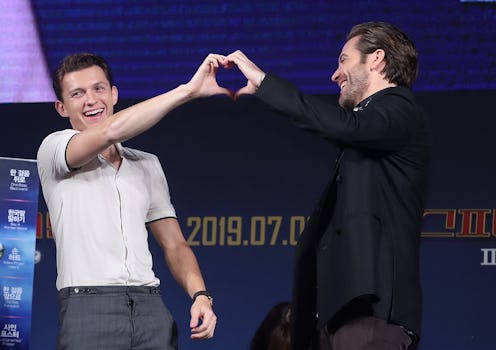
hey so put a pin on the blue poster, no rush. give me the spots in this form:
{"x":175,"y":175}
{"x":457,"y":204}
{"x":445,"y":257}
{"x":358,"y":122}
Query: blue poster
{"x":19,"y":186}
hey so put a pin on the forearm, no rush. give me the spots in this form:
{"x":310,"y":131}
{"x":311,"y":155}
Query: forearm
{"x":138,"y":118}
{"x":185,"y":269}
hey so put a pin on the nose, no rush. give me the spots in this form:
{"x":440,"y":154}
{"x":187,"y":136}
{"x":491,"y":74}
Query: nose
{"x":90,"y":97}
{"x":335,"y":75}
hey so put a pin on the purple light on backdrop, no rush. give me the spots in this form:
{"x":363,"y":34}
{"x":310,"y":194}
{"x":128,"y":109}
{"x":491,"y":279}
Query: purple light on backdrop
{"x":23,"y":70}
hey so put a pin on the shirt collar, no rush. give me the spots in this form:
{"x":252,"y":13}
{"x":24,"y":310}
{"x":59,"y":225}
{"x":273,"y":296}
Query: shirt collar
{"x":120,"y":149}
{"x":362,"y":105}
{"x":365,"y":102}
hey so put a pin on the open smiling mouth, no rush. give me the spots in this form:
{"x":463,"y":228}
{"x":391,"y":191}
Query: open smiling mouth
{"x":94,"y":113}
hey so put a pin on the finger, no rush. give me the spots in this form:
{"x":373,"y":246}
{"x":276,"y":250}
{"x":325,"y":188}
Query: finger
{"x":224,"y":91}
{"x":227,"y":92}
{"x":215,"y":59}
{"x":206,"y":329}
{"x":247,"y":90}
{"x":203,"y":332}
{"x":238,"y":55}
{"x":195,"y":316}
{"x":227,"y":64}
{"x":233,"y":57}
{"x":216,"y":56}
{"x":203,"y":335}
{"x":219,"y":90}
{"x":213,"y":64}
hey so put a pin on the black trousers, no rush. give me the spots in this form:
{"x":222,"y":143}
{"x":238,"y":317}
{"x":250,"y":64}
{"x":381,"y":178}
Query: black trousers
{"x":114,"y":318}
{"x":366,"y":333}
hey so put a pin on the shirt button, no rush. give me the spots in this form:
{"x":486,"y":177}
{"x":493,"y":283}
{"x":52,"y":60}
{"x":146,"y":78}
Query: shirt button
{"x":339,"y":178}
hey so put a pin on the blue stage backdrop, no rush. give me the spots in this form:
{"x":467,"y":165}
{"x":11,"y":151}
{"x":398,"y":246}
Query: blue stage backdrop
{"x":154,"y":45}
{"x":244,"y":180}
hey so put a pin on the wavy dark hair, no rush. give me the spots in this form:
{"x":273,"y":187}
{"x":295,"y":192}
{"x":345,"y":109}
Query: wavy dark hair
{"x":400,"y":54}
{"x":75,"y":62}
{"x":274,"y":331}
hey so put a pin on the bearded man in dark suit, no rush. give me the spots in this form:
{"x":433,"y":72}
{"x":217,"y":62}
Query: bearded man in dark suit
{"x":356,"y":268}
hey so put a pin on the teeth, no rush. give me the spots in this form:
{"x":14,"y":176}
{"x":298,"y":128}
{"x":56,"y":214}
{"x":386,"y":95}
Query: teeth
{"x":94,"y":112}
{"x":343,"y":84}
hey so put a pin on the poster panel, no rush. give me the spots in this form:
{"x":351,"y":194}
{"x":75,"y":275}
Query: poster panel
{"x":19,"y":187}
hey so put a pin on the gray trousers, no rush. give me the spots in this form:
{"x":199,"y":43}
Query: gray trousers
{"x":114,"y":318}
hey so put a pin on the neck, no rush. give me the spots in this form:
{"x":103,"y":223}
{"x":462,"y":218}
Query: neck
{"x":109,"y":151}
{"x":112,"y":156}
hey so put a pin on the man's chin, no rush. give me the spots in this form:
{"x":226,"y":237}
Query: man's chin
{"x":94,"y":120}
{"x":346,"y":102}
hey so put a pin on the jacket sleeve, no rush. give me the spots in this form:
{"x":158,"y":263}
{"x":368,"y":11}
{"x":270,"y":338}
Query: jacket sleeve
{"x":386,"y":124}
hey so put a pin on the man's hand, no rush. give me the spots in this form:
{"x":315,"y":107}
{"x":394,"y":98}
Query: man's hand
{"x":204,"y":82}
{"x":249,"y":69}
{"x":203,"y":319}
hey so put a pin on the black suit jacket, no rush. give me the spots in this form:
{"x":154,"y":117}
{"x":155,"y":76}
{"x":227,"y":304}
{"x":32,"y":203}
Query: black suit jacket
{"x":362,"y":240}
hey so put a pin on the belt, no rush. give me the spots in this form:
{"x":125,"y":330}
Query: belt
{"x":100,"y":290}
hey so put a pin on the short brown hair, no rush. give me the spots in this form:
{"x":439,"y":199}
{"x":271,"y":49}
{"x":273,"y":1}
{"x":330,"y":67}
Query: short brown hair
{"x":400,"y":54}
{"x":75,"y":62}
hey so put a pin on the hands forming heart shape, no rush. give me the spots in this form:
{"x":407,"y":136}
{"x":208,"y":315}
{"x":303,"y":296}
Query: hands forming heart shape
{"x":204,"y":82}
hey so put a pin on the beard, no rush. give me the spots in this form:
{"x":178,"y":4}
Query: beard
{"x":357,"y":84}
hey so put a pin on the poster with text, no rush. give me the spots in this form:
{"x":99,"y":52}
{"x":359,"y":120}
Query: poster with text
{"x":19,"y":187}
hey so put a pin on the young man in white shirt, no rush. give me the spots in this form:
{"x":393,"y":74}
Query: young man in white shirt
{"x":101,"y":196}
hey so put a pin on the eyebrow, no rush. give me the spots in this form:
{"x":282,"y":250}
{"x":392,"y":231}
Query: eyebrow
{"x":75,"y":90}
{"x":100,"y":82}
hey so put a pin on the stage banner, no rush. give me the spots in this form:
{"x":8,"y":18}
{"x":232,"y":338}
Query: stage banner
{"x":19,"y":187}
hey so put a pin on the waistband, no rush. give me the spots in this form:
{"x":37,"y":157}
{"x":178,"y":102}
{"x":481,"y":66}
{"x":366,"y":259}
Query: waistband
{"x":102,"y":290}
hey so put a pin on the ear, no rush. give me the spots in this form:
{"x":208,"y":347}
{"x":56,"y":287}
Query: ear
{"x":115,"y":94}
{"x":60,"y":108}
{"x":378,"y":59}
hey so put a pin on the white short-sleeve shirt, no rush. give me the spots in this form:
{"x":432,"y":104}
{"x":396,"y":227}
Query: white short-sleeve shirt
{"x":98,"y":214}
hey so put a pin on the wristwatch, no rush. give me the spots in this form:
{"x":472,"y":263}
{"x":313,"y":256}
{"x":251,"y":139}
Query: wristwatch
{"x":205,"y":293}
